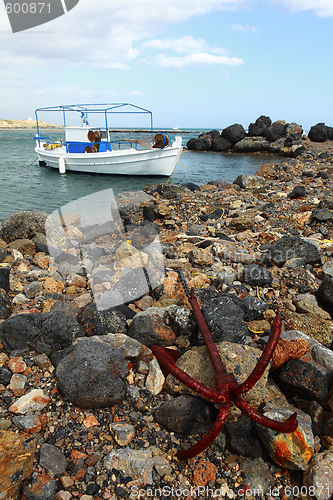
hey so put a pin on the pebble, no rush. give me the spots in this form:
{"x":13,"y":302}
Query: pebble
{"x":155,"y":378}
{"x":34,"y":400}
{"x":52,"y":459}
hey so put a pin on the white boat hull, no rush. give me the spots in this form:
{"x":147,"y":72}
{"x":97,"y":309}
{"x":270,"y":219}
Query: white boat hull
{"x":117,"y":162}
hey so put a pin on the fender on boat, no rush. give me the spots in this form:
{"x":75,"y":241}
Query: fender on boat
{"x":62,"y":165}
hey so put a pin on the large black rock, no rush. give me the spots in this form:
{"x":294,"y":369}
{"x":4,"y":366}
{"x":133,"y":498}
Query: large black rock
{"x":274,"y":131}
{"x":234,"y":133}
{"x":150,"y":331}
{"x":199,"y":144}
{"x":90,"y":377}
{"x":220,"y":144}
{"x":257,"y":128}
{"x":325,"y":291}
{"x":42,"y":332}
{"x":225,"y":320}
{"x":252,"y":307}
{"x":214,"y":134}
{"x":318,"y":133}
{"x":290,"y":247}
{"x":303,"y":379}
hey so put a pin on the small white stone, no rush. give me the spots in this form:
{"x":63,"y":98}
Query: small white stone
{"x":20,"y":298}
{"x":155,"y":378}
{"x":33,"y":401}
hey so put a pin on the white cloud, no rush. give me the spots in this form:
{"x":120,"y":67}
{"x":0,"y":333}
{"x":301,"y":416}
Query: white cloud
{"x":192,"y":60}
{"x":198,"y":53}
{"x":323,"y":8}
{"x":101,"y":36}
{"x":184,"y":44}
{"x":104,"y":36}
{"x":244,"y":28}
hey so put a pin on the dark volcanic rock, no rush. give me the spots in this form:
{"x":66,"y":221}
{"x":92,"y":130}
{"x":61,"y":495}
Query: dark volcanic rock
{"x":25,"y":224}
{"x":91,"y":376}
{"x":42,"y":332}
{"x":221,"y":144}
{"x":199,"y":144}
{"x":151,"y":331}
{"x":208,"y":140}
{"x":274,"y":131}
{"x":256,"y":275}
{"x":3,"y":253}
{"x":191,"y":186}
{"x":4,"y":278}
{"x":303,"y":379}
{"x":148,"y":214}
{"x":234,"y":133}
{"x":290,"y":247}
{"x":259,"y":126}
{"x":95,"y":322}
{"x":185,"y":415}
{"x":5,"y":305}
{"x":322,"y":215}
{"x":325,"y":291}
{"x":252,"y":307}
{"x":318,"y":133}
{"x":225,"y":320}
{"x":330,"y":133}
{"x":244,"y":437}
{"x":5,"y":375}
{"x":294,"y":131}
{"x":213,"y":133}
{"x":297,"y":192}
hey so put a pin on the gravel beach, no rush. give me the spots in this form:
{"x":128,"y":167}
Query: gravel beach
{"x":85,"y":410}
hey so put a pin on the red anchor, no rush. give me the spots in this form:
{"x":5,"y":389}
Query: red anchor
{"x":227,"y":387}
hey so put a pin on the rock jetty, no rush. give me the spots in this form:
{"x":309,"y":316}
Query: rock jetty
{"x":85,"y":410}
{"x":263,"y":136}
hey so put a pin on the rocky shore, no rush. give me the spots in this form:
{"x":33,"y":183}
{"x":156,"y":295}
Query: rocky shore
{"x":85,"y":410}
{"x":264,"y":136}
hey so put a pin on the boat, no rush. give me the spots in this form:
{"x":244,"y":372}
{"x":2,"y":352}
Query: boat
{"x":90,"y":149}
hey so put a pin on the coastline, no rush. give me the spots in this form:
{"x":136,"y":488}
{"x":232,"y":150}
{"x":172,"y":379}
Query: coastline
{"x":215,"y":233}
{"x":24,"y":124}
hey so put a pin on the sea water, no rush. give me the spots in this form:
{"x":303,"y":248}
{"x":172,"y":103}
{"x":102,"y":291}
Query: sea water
{"x":24,"y":185}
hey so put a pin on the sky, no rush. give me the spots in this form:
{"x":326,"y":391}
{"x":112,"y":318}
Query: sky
{"x":202,"y":64}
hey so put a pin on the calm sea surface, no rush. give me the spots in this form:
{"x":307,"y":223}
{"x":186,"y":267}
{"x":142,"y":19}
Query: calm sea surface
{"x":31,"y":187}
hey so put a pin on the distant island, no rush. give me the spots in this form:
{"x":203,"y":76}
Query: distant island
{"x":28,"y":124}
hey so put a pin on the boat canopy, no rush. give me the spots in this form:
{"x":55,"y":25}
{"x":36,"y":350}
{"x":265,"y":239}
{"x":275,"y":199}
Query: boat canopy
{"x":85,"y":110}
